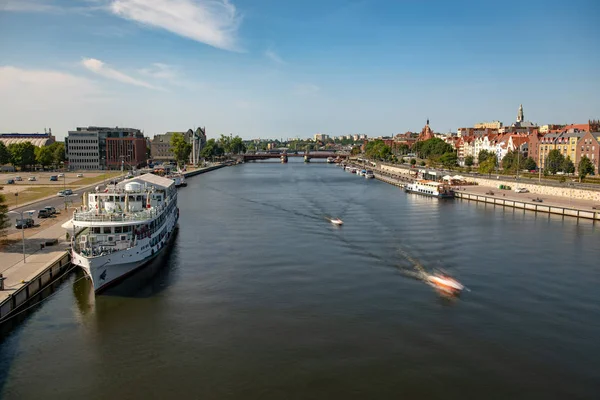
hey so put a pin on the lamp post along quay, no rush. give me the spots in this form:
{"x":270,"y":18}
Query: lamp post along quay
{"x":30,"y":213}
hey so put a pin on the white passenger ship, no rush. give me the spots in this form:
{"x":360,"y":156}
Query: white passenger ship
{"x":123,"y":228}
{"x":430,"y":188}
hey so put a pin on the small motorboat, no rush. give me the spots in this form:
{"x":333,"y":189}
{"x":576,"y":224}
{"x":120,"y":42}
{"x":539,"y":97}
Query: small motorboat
{"x":445,"y":283}
{"x":336,"y":221}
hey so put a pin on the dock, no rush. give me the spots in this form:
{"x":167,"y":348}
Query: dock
{"x":558,"y":205}
{"x":42,"y":267}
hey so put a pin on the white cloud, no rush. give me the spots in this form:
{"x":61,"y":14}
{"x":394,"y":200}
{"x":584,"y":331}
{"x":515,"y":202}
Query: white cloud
{"x":271,"y":55}
{"x":100,"y":68}
{"x":214,"y":22}
{"x":160,"y":71}
{"x":304,"y":89}
{"x":49,"y":6}
{"x":40,"y":98}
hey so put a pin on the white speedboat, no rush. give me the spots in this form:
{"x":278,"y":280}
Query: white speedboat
{"x":330,"y":160}
{"x":336,"y":221}
{"x":445,"y":283}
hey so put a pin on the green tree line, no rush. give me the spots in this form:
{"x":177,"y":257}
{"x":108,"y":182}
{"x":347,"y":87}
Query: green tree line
{"x":25,"y":155}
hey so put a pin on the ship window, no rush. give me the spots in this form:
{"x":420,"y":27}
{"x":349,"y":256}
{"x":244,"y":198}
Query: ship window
{"x":126,"y":228}
{"x":123,"y":237}
{"x":106,"y":229}
{"x":118,"y":229}
{"x":83,"y":239}
{"x":111,"y":198}
{"x":138,"y":198}
{"x":111,"y":238}
{"x":96,"y":230}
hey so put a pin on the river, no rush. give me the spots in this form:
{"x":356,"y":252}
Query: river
{"x":262,"y":298}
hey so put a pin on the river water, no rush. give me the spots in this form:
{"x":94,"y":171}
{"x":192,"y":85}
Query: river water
{"x":261,"y":298}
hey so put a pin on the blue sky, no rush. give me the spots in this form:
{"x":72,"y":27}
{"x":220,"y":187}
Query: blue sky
{"x":279,"y":69}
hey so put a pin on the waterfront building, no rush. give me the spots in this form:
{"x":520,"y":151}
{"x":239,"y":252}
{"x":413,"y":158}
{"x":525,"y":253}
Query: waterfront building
{"x":86,"y":147}
{"x":321,"y":137}
{"x":589,"y":146}
{"x":128,"y":151}
{"x":488,"y":125}
{"x":36,"y":139}
{"x":426,"y":133}
{"x":161,"y":150}
{"x":566,"y":143}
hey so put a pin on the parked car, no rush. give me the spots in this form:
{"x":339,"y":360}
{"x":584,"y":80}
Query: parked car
{"x":18,"y":178}
{"x":54,"y":178}
{"x":10,"y":182}
{"x":80,"y":175}
{"x":521,"y":190}
{"x":43,"y":213}
{"x":24,"y":223}
{"x":61,"y":175}
{"x":50,"y":209}
{"x":31,"y":179}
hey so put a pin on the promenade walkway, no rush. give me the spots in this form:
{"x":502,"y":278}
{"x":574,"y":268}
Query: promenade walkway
{"x":16,"y":271}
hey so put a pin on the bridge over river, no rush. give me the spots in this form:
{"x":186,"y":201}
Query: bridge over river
{"x":284,"y":155}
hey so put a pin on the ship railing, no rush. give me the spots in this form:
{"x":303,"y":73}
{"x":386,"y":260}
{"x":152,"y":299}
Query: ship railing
{"x":90,"y":216}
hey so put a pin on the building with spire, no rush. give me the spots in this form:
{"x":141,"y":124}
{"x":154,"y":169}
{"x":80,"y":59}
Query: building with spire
{"x":426,"y":133}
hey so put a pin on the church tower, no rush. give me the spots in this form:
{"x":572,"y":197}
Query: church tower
{"x":520,"y":117}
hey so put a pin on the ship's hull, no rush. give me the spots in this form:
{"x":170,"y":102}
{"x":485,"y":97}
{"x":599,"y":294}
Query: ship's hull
{"x":436,"y":195}
{"x":108,"y":270}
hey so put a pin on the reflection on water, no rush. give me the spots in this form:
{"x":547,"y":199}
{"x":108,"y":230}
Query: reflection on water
{"x":262,"y":298}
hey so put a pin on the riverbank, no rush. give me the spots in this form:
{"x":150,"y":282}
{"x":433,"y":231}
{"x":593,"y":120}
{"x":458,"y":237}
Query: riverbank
{"x":546,"y":203}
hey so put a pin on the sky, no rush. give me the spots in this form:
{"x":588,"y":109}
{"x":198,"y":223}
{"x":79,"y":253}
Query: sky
{"x":284,"y":68}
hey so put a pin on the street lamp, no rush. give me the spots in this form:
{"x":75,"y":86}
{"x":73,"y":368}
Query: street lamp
{"x":30,"y":212}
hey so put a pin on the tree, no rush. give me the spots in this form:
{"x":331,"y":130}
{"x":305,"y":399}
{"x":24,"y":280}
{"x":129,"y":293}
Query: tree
{"x":4,"y":154}
{"x":554,"y":162}
{"x":58,"y":153}
{"x":529,"y":164}
{"x":355,"y":151}
{"x":512,"y":161}
{"x":484,"y":155}
{"x":413,"y":161}
{"x":225,"y":143}
{"x":449,"y":160}
{"x":44,"y":156}
{"x":402,"y":148}
{"x":568,"y":167}
{"x":22,"y":154}
{"x":488,"y":165}
{"x":237,"y":145}
{"x":377,"y":149}
{"x":422,"y":163}
{"x":469,"y":161}
{"x":181,"y":149}
{"x":4,"y":220}
{"x":432,"y":148}
{"x":585,"y":168}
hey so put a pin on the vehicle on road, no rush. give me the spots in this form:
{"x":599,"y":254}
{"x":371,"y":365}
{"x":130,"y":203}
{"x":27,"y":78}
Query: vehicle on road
{"x":32,"y":179}
{"x":10,"y":182}
{"x":68,"y":192}
{"x":18,"y":178}
{"x":80,"y":175}
{"x":54,"y":178}
{"x":43,"y":213}
{"x":61,"y":193}
{"x":521,"y":190}
{"x":24,"y":223}
{"x":61,"y":175}
{"x":50,"y":209}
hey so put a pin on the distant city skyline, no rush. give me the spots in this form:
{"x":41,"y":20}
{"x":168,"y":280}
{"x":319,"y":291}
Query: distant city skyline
{"x":277,"y":69}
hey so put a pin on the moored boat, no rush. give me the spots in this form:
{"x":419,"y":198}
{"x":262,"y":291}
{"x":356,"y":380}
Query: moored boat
{"x":330,"y":160}
{"x":123,"y":228}
{"x":369,"y":174}
{"x":336,"y":221}
{"x":430,"y":188}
